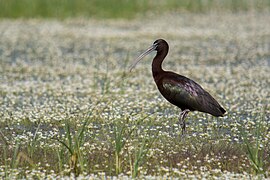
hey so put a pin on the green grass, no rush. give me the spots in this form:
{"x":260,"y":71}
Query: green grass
{"x":256,"y":149}
{"x":70,"y":107}
{"x":119,"y":8}
{"x":73,"y":143}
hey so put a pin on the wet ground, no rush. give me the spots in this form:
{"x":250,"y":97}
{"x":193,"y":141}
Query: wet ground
{"x":77,"y":69}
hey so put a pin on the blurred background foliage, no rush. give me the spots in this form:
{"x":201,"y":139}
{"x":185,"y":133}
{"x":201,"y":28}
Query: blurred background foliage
{"x":126,"y":9}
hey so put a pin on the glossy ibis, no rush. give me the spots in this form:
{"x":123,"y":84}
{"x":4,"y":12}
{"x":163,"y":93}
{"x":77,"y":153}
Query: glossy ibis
{"x":177,"y":89}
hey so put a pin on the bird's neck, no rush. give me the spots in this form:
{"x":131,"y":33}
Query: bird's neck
{"x":157,"y":63}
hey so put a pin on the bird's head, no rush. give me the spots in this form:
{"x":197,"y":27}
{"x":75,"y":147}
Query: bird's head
{"x":159,"y":45}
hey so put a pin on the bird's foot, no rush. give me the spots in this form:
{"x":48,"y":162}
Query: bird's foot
{"x":182,"y":122}
{"x":182,"y":125}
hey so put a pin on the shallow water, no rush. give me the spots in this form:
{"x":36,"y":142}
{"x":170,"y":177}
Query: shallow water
{"x":54,"y":71}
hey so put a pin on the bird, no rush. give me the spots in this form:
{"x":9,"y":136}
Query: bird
{"x":179,"y":90}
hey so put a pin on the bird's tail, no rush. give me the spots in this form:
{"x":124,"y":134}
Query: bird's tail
{"x":222,"y":110}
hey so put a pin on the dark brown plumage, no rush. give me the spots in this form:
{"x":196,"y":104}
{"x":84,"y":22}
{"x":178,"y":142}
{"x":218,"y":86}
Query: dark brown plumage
{"x":177,"y":89}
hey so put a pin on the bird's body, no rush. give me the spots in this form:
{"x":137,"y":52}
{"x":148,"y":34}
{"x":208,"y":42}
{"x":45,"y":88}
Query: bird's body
{"x":180,"y":90}
{"x":187,"y":94}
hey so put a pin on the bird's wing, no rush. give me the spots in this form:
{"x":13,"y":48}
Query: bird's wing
{"x":186,"y":93}
{"x":180,"y":92}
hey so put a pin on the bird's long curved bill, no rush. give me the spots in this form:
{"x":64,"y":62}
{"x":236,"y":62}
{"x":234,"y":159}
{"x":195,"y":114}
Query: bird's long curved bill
{"x":137,"y":60}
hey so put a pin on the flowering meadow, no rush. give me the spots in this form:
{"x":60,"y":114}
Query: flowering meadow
{"x":69,"y":107}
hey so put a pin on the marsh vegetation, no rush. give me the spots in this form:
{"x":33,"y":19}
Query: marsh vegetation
{"x":69,"y":106}
{"x":123,"y":9}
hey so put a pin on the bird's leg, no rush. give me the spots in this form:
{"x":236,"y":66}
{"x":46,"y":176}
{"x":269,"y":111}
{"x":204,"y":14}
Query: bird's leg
{"x":182,"y":117}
